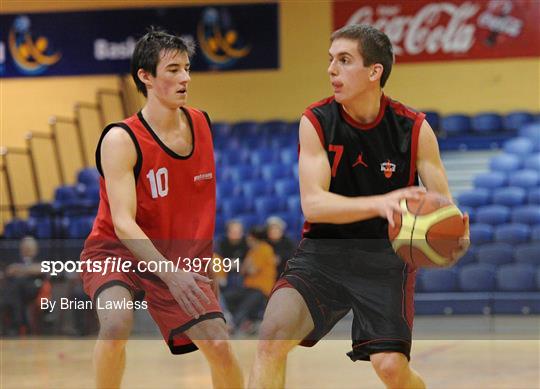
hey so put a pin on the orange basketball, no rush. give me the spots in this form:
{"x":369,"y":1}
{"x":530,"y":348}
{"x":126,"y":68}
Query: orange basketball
{"x":428,"y":232}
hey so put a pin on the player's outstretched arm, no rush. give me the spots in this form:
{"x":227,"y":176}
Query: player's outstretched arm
{"x":319,"y":205}
{"x":433,"y":175}
{"x":118,"y":157}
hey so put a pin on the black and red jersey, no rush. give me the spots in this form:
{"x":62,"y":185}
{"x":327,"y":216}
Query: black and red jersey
{"x":176,"y":195}
{"x":366,"y":159}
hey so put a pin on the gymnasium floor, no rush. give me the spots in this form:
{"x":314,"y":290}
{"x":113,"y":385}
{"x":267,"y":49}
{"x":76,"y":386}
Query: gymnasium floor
{"x":496,"y":358}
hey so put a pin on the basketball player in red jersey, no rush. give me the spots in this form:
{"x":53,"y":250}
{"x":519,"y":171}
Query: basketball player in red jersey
{"x":360,"y":154}
{"x":157,"y":203}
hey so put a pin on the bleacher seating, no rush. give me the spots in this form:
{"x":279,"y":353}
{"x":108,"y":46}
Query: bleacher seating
{"x":257,"y":177}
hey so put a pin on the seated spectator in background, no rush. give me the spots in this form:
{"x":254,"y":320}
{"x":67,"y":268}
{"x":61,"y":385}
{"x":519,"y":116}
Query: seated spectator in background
{"x":233,"y":245}
{"x":23,"y":285}
{"x":283,"y":245}
{"x":259,"y":272}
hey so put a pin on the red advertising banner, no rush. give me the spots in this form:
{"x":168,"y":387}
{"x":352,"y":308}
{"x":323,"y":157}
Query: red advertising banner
{"x":424,"y":30}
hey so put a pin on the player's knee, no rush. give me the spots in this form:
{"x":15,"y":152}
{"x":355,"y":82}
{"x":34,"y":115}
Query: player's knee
{"x":274,"y":339}
{"x":392,"y":368}
{"x":117,"y":328}
{"x":217,"y":350}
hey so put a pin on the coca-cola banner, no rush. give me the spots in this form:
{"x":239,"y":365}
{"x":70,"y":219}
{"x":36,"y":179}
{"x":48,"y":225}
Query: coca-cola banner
{"x":424,"y":30}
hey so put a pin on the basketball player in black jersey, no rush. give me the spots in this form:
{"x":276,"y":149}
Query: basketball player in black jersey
{"x":360,"y":154}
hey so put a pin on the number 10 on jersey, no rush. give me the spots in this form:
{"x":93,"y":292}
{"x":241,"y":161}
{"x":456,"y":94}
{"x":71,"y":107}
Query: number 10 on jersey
{"x":159,"y":182}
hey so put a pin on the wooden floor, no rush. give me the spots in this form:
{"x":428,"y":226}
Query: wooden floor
{"x":452,"y":364}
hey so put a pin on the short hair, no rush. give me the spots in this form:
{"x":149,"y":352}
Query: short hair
{"x":148,"y":50}
{"x":373,"y":45}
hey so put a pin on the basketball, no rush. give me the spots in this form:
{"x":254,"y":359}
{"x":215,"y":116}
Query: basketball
{"x":428,"y":232}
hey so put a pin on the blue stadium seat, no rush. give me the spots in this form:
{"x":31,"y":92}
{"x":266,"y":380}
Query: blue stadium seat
{"x":248,"y":220}
{"x":490,"y":180}
{"x":220,"y":225}
{"x":234,"y":206}
{"x":43,"y":228}
{"x":88,"y":176}
{"x":240,"y":174}
{"x":495,"y":253}
{"x":528,"y":253}
{"x":39,"y":210}
{"x":516,"y":277}
{"x":227,"y":189}
{"x":516,"y":119}
{"x":275,"y":171}
{"x":477,"y":277}
{"x":469,"y":257}
{"x":455,"y":124}
{"x":530,"y":130}
{"x":538,"y":278}
{"x":439,"y":280}
{"x":79,"y":228}
{"x":526,"y":214}
{"x":525,"y":178}
{"x":65,"y":194}
{"x":534,"y":196}
{"x":434,"y":119}
{"x":519,"y":146}
{"x":264,"y":206}
{"x":474,"y":198}
{"x":492,"y":214}
{"x":509,"y":196}
{"x":295,"y":171}
{"x":263,"y":157}
{"x":532,"y":162}
{"x":16,"y":229}
{"x":293,"y":204}
{"x":273,"y":127}
{"x":233,"y":158}
{"x":289,"y":156}
{"x":283,"y":141}
{"x":481,"y":233}
{"x":245,"y":128}
{"x":91,"y":194}
{"x":535,"y":233}
{"x":286,"y":187}
{"x":505,"y":163}
{"x":486,"y":122}
{"x":513,"y":233}
{"x":221,"y":130}
{"x":256,"y":188}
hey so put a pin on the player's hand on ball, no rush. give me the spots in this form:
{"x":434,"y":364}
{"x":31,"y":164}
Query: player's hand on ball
{"x":389,"y":203}
{"x":464,"y":241}
{"x":186,"y":291}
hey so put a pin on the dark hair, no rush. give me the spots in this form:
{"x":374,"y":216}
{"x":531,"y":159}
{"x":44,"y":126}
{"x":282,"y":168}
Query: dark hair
{"x":148,"y":51}
{"x":374,"y":46}
{"x":258,"y":232}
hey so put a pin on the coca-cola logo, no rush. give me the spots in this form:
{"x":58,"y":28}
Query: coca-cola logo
{"x":437,"y":27}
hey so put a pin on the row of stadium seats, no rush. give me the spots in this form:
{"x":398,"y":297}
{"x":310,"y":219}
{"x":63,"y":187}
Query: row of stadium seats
{"x":482,"y":123}
{"x":479,"y":289}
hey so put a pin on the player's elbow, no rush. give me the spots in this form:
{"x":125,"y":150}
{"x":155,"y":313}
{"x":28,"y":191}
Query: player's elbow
{"x":310,"y":209}
{"x":122,"y":227}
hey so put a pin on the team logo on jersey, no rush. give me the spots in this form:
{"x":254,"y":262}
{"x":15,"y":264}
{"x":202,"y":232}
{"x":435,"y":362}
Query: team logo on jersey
{"x":388,"y":168}
{"x":202,"y":177}
{"x":360,"y":161}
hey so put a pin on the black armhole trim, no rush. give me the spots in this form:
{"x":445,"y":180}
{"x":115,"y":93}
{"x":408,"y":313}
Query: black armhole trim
{"x":138,"y":165}
{"x":208,"y":120}
{"x":163,"y":145}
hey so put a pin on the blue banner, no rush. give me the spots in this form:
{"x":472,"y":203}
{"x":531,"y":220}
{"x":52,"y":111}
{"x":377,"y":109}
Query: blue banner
{"x":232,"y":37}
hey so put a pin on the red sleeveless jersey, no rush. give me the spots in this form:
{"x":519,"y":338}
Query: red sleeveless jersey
{"x":176,"y":195}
